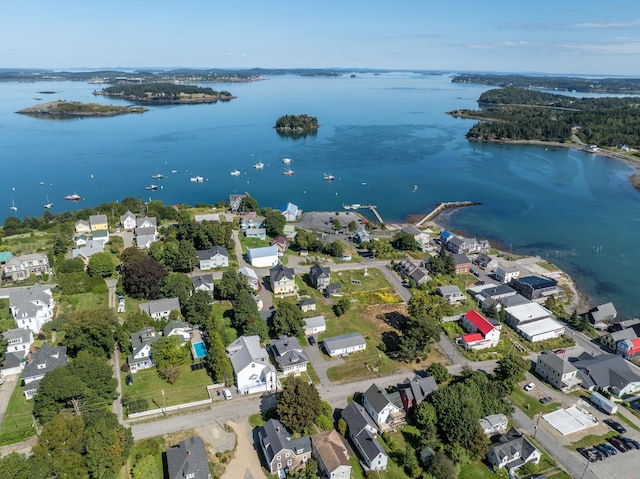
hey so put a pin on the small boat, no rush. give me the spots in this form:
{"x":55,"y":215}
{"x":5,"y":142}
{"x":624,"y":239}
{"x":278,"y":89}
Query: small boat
{"x":151,"y":187}
{"x":157,"y":176}
{"x":73,"y":197}
{"x":288,"y":172}
{"x":174,"y":171}
{"x":286,"y":161}
{"x":415,"y":187}
{"x":235,"y":173}
{"x":259,"y":165}
{"x":328,"y":177}
{"x":13,"y":206}
{"x":42,"y":182}
{"x":196,"y":179}
{"x":48,"y":204}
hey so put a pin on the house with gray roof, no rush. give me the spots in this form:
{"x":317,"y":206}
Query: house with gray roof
{"x":207,"y":217}
{"x":320,"y":276}
{"x":88,"y":250}
{"x":178,"y":328}
{"x":43,"y":360}
{"x":414,"y":391}
{"x":364,"y":435}
{"x":344,"y":345}
{"x":203,"y":282}
{"x":21,"y":267}
{"x":18,"y":343}
{"x":140,"y":357}
{"x":451,"y":293}
{"x":128,"y":221}
{"x":251,"y":276}
{"x":314,"y":325}
{"x":384,"y":408}
{"x":535,"y":288}
{"x":282,"y":454}
{"x":556,"y":371}
{"x":216,"y":257}
{"x":611,"y":340}
{"x":461,"y":245}
{"x":289,"y":355}
{"x":291,"y":212}
{"x":146,"y":231}
{"x":608,"y":371}
{"x":251,"y":368}
{"x":306,"y":305}
{"x":260,"y":233}
{"x":486,"y":262}
{"x":265,"y":257}
{"x":361,"y":235}
{"x":494,"y":424}
{"x":188,"y":460}
{"x":98,"y":222}
{"x":603,"y":316}
{"x":282,"y":280}
{"x":333,"y":289}
{"x":160,"y":308}
{"x":512,"y":451}
{"x":82,"y":226}
{"x":32,"y":307}
{"x":332,"y":455}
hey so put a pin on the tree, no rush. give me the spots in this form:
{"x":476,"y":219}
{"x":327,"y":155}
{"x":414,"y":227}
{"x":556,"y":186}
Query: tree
{"x":75,"y":265}
{"x":92,"y":331}
{"x":143,"y":276}
{"x":177,"y":285}
{"x":249,"y":203}
{"x":287,"y":320}
{"x":439,"y":372}
{"x":61,"y":447}
{"x":197,"y":308}
{"x":230,"y":285}
{"x":168,"y":353}
{"x":352,"y":226}
{"x":426,"y":420}
{"x":245,"y":310}
{"x":335,"y":249}
{"x":17,"y":466}
{"x":107,"y":444}
{"x":100,"y":264}
{"x":404,"y":241}
{"x":274,"y":221}
{"x":57,"y":391}
{"x":342,"y":306}
{"x":298,"y":405}
{"x":97,"y":375}
{"x":511,"y":369}
{"x":442,"y":467}
{"x":526,"y":469}
{"x":145,"y":468}
{"x":342,"y":427}
{"x":217,"y":362}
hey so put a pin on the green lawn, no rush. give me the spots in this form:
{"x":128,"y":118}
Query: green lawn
{"x":154,"y":447}
{"x":372,"y":282}
{"x":147,"y":384}
{"x":89,"y":301}
{"x":18,"y":422}
{"x":529,"y":404}
{"x":35,"y":241}
{"x":478,"y":470}
{"x":252,"y":242}
{"x":591,"y":440}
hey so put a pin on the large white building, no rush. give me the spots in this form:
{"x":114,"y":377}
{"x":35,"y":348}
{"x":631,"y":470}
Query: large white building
{"x":533,"y":322}
{"x":32,"y":307}
{"x":266,"y":257}
{"x":251,"y":367}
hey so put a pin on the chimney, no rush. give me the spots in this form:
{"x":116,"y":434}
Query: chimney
{"x":374,"y":437}
{"x":188,"y":453}
{"x":277,"y":429}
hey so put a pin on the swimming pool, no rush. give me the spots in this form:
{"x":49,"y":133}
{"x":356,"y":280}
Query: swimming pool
{"x":200,"y":350}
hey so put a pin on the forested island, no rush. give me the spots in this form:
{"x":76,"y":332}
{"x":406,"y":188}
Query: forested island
{"x":574,"y":84}
{"x":297,"y":123}
{"x":68,"y":109}
{"x":165,"y":93}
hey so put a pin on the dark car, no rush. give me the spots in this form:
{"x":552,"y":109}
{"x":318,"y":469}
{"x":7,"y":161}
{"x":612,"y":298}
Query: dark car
{"x":588,"y":454}
{"x":615,"y":425}
{"x":546,"y":399}
{"x":598,"y":455}
{"x":312,"y":341}
{"x":612,"y":450}
{"x":128,"y":380}
{"x":617,"y":443}
{"x":628,"y":442}
{"x":603,"y":450}
{"x":633,"y":442}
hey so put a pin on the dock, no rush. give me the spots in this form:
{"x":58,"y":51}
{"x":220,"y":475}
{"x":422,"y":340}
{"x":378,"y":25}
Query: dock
{"x":445,"y":206}
{"x":372,"y":208}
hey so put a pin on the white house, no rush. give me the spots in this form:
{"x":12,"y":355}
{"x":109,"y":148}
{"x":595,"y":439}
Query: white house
{"x":146,"y":231}
{"x":364,"y":435}
{"x":265,"y":257}
{"x":289,"y":355}
{"x":332,"y":455}
{"x":385,"y":412}
{"x":128,"y":221}
{"x":291,"y":212}
{"x":18,"y":343}
{"x":140,"y":357}
{"x":451,"y":293}
{"x":494,"y":424}
{"x":216,"y":257}
{"x":512,"y":451}
{"x":556,"y":371}
{"x":314,"y":325}
{"x":32,"y":307}
{"x":506,"y":273}
{"x":203,"y":282}
{"x":45,"y":359}
{"x":160,"y":308}
{"x":82,"y":226}
{"x":251,"y":368}
{"x":533,"y":322}
{"x":178,"y":328}
{"x":251,"y":277}
{"x":345,"y":344}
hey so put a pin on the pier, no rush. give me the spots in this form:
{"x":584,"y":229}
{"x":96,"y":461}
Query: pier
{"x":371,"y":208}
{"x":445,"y":206}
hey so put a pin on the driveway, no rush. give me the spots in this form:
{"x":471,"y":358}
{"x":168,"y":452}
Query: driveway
{"x":246,"y":463}
{"x":320,"y":364}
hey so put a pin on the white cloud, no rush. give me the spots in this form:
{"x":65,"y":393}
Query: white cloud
{"x":633,"y":22}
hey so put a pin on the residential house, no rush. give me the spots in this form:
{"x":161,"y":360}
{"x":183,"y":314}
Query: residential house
{"x":421,"y":237}
{"x":289,"y":232}
{"x":282,"y":454}
{"x":463,"y":263}
{"x":216,"y":257}
{"x":289,"y":355}
{"x":414,"y":391}
{"x":235,"y":201}
{"x":178,"y":328}
{"x":265,"y":257}
{"x":611,"y":340}
{"x":21,"y":267}
{"x":535,"y":288}
{"x":364,"y":436}
{"x":160,"y":308}
{"x":481,"y":333}
{"x":207,"y":217}
{"x":512,"y":451}
{"x":486,"y":262}
{"x":188,"y":460}
{"x":251,"y":220}
{"x":345,"y":344}
{"x":420,"y":276}
{"x":603,"y":316}
{"x":128,"y":221}
{"x":43,"y":360}
{"x":333,"y":289}
{"x":140,"y":357}
{"x":361,"y":235}
{"x":314,"y":325}
{"x":505,"y":274}
{"x":281,"y":243}
{"x":307,"y":305}
{"x":98,"y":223}
{"x":147,"y":222}
{"x":19,"y":342}
{"x":291,"y":212}
{"x":251,"y":368}
{"x":203,"y":282}
{"x":385,"y":410}
{"x":82,"y":226}
{"x":332,"y":455}
{"x":81,"y":240}
{"x":556,"y":371}
{"x":100,"y":236}
{"x":407,"y":266}
{"x":608,"y":371}
{"x":320,"y":276}
{"x":623,"y":324}
{"x":260,"y":233}
{"x":451,"y":293}
{"x":533,"y":322}
{"x":282,"y":280}
{"x":32,"y":307}
{"x":628,"y":348}
{"x":461,"y":245}
{"x":494,"y":424}
{"x":146,"y":231}
{"x":251,"y":277}
{"x":87,"y":251}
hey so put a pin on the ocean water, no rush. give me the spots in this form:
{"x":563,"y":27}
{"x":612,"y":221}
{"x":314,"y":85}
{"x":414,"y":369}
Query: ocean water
{"x":379,"y":136}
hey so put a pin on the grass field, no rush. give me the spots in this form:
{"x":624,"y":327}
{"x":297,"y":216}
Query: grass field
{"x":251,"y":242}
{"x":17,"y":424}
{"x":28,"y":242}
{"x":529,"y":404}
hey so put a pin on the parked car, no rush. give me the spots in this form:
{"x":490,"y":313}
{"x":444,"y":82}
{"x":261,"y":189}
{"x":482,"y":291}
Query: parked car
{"x":312,"y":341}
{"x":560,"y":351}
{"x":603,"y":450}
{"x":617,"y":443}
{"x":128,"y":380}
{"x":628,"y":442}
{"x":633,"y":442}
{"x":529,"y":387}
{"x":546,"y":399}
{"x":226,"y":393}
{"x":612,"y":450}
{"x":588,"y":454}
{"x":598,"y":455}
{"x":615,"y":425}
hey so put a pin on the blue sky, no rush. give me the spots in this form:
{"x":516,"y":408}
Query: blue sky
{"x":583,"y":37}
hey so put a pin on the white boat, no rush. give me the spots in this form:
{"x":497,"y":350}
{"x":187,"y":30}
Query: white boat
{"x":235,"y":173}
{"x":288,"y":172}
{"x":196,"y":179}
{"x":13,"y":206}
{"x":259,"y":165}
{"x":328,"y":177}
{"x":174,"y":171}
{"x":415,"y":187}
{"x":286,"y":161}
{"x":157,"y":176}
{"x":48,"y":204}
{"x":152,"y":187}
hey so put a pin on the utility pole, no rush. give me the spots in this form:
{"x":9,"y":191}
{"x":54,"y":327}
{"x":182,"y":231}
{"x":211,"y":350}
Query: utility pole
{"x":164,"y":404}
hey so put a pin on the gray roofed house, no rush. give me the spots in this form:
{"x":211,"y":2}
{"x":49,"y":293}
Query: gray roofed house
{"x":361,"y":235}
{"x":178,"y":328}
{"x":335,"y":288}
{"x":188,"y":460}
{"x":314,"y":325}
{"x":216,"y":257}
{"x":345,"y":344}
{"x":207,"y":217}
{"x":282,"y":280}
{"x":21,"y":267}
{"x":260,"y":233}
{"x":451,"y":293}
{"x":32,"y":307}
{"x":611,"y":340}
{"x":18,"y":343}
{"x":88,"y":250}
{"x":265,"y":257}
{"x":414,"y":391}
{"x":420,"y":275}
{"x":82,"y":226}
{"x":320,"y":276}
{"x":602,"y":316}
{"x":45,"y":359}
{"x":251,"y":276}
{"x":98,"y":222}
{"x":160,"y":308}
{"x":486,"y":262}
{"x":128,"y":221}
{"x":494,"y":424}
{"x":251,"y":367}
{"x":291,"y":212}
{"x":535,"y":287}
{"x":556,"y":371}
{"x":282,"y":453}
{"x":147,"y":222}
{"x":608,"y":371}
{"x":462,"y":262}
{"x":510,"y":301}
{"x":512,"y":451}
{"x":387,"y":413}
{"x":363,"y":433}
{"x":289,"y":355}
{"x":307,"y":304}
{"x":141,"y":341}
{"x":203,"y":282}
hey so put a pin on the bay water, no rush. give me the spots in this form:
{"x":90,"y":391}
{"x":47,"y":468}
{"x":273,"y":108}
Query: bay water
{"x":387,"y":140}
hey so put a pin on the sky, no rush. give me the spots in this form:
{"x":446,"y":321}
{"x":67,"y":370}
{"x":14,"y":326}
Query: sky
{"x":568,"y":37}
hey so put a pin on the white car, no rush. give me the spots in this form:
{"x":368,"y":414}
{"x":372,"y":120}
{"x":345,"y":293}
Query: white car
{"x":226,"y":393}
{"x":529,"y":387}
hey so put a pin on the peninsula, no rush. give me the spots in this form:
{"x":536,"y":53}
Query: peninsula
{"x":165,"y":93}
{"x":68,"y":109}
{"x":297,"y":123}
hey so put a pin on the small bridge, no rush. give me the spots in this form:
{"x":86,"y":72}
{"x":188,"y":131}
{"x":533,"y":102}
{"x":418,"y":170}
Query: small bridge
{"x":445,"y":206}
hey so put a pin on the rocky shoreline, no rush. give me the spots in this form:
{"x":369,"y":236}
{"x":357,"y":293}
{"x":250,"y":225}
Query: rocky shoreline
{"x":67,"y":109}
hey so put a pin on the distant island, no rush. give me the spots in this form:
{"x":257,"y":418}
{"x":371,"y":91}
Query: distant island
{"x":165,"y":93}
{"x":68,"y":109}
{"x":297,"y":123}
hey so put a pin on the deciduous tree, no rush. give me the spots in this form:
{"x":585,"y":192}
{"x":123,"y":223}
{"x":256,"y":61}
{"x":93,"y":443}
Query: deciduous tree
{"x":100,"y":264}
{"x":287,"y":320}
{"x":298,"y":405}
{"x":92,"y":331}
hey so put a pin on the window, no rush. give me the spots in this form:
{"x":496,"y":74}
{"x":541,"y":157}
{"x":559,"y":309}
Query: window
{"x":279,"y":466}
{"x":289,"y":462}
{"x":287,"y":455}
{"x":278,"y":458}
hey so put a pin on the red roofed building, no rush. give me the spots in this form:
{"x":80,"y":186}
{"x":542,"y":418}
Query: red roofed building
{"x":482,"y":333}
{"x":629,"y":348}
